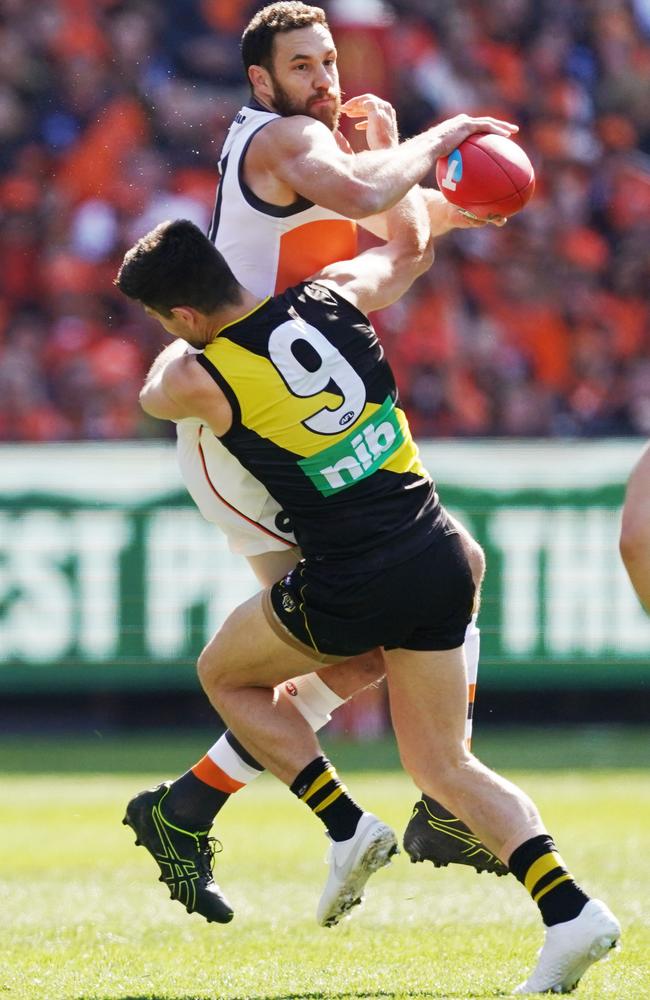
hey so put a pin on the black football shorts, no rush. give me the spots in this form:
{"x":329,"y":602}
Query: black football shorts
{"x":337,"y":610}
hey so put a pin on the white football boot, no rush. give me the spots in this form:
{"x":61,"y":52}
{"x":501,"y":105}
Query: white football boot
{"x":571,"y":947}
{"x":352,"y":862}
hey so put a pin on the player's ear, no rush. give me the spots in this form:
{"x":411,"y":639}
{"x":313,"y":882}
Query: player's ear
{"x":260,"y":81}
{"x":186,"y":315}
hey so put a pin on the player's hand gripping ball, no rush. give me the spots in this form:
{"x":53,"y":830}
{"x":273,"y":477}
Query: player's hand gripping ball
{"x":486,"y":176}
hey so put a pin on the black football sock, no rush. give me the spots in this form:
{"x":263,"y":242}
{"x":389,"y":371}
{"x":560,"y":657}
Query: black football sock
{"x":319,"y":787}
{"x":541,"y":870}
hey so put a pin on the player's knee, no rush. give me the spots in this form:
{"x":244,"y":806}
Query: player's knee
{"x":438,"y":774}
{"x":208,"y":667}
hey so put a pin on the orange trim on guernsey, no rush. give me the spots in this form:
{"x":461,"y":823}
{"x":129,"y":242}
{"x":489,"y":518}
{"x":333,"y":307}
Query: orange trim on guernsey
{"x":211,"y":774}
{"x":471,"y":693}
{"x":308,"y":248}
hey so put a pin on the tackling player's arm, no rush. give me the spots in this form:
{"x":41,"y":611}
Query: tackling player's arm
{"x":380,"y":276}
{"x":182,"y":388}
{"x":303,"y":155}
{"x":443,"y":217}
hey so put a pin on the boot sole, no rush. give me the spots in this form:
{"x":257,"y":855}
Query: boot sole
{"x":417,"y":854}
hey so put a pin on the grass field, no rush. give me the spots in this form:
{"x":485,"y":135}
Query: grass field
{"x":83,"y":917}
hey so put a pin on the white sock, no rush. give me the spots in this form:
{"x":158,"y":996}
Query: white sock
{"x":313,"y":699}
{"x":472,"y":649}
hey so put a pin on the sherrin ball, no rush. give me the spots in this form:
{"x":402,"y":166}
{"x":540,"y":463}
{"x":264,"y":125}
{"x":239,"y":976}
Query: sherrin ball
{"x":487,"y":175}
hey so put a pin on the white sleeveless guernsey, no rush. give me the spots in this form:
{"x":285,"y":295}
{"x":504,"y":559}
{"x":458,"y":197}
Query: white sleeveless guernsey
{"x":268,"y":248}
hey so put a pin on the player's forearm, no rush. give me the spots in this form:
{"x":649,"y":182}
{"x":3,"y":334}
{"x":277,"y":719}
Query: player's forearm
{"x":637,"y":564}
{"x":386,"y":175}
{"x":392,"y":172}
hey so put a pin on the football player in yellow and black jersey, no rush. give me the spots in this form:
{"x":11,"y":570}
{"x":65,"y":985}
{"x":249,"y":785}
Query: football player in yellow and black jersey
{"x":283,"y":161}
{"x":297,"y":387}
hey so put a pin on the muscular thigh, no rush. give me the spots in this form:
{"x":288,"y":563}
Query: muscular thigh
{"x":271,"y":566}
{"x":246,"y":651}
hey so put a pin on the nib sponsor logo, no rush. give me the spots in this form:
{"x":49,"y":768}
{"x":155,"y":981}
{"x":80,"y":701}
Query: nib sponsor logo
{"x":358,"y":455}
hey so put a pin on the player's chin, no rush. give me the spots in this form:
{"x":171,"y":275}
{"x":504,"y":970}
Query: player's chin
{"x":328,"y":114}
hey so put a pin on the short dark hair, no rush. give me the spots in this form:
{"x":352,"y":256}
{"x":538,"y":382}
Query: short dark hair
{"x":177,"y":265}
{"x":288,"y":15}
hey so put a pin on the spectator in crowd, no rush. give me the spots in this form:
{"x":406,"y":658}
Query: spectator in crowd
{"x":112,"y":114}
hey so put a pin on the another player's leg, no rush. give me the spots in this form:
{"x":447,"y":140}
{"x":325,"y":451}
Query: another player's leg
{"x":433,"y":833}
{"x":198,"y":796}
{"x":173,"y":821}
{"x":428,"y":697}
{"x":237,"y":669}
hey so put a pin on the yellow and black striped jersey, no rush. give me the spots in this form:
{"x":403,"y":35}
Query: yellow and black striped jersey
{"x":316,"y":418}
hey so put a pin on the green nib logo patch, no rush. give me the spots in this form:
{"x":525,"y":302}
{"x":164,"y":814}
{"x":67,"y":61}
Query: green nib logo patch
{"x":364,"y":450}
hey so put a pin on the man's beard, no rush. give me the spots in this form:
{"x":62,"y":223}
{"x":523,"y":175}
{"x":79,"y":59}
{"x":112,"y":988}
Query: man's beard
{"x":328,"y":114}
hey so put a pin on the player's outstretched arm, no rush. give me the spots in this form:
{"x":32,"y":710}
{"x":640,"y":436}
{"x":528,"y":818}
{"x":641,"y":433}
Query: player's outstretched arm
{"x":305,"y":155}
{"x":635,"y":529}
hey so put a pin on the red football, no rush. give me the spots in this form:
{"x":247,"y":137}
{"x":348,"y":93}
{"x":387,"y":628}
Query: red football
{"x":487,"y":175}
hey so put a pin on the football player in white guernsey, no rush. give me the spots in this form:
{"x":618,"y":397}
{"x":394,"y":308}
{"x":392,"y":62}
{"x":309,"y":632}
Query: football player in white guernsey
{"x":289,"y":187}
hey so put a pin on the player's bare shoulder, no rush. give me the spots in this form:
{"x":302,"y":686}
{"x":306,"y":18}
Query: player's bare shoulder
{"x":196,"y":393}
{"x":279,"y":158}
{"x":289,"y":137}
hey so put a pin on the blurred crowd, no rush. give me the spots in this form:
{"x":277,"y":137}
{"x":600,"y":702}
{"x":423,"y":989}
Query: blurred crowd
{"x":112,"y":115}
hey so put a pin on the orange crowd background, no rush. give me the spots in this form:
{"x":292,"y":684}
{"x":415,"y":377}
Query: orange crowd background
{"x":112,"y":115}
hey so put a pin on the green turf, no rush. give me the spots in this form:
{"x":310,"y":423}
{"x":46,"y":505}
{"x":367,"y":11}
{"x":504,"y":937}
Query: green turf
{"x":83,"y":917}
{"x":165,"y":754}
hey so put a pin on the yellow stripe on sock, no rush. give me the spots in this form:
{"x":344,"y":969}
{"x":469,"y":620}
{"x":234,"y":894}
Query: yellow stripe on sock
{"x":542,"y":867}
{"x":547,"y":888}
{"x":330,"y":798}
{"x":317,"y":784}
